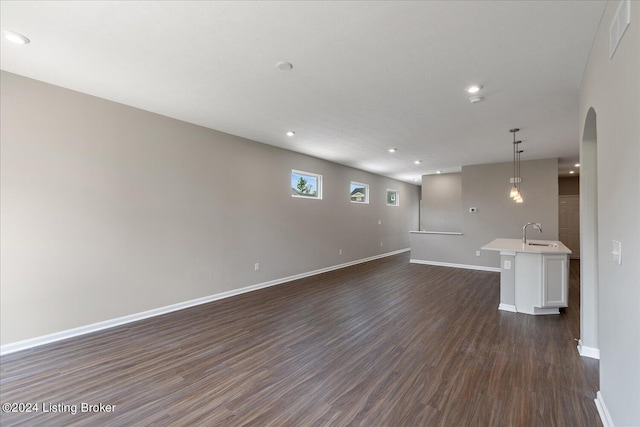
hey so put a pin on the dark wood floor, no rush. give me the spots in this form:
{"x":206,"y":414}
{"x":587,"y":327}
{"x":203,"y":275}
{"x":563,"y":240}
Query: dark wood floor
{"x":385,"y":343}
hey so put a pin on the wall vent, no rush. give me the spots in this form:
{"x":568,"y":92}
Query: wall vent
{"x":619,"y":24}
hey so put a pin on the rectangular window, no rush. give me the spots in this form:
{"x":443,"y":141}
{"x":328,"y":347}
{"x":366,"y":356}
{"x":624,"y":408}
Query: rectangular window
{"x":359,"y":192}
{"x":306,"y":184}
{"x":392,"y":198}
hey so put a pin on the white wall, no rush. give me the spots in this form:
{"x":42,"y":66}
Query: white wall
{"x":108,"y":211}
{"x":612,"y":88}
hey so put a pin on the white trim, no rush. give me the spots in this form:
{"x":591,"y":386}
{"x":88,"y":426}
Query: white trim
{"x":318,"y":180}
{"x":585,"y":351}
{"x":366,"y":192}
{"x":397,"y":203}
{"x":605,"y":417}
{"x":95,"y":327}
{"x":507,"y":307}
{"x":450,"y":264}
{"x":539,"y":311}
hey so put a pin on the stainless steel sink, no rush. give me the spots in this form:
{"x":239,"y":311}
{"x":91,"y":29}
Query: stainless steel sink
{"x":551,"y":245}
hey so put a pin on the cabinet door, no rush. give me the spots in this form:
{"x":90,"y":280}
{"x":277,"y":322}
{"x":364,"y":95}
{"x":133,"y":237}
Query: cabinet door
{"x":555,"y":280}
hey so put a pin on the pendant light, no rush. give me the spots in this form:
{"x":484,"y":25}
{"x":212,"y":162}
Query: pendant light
{"x":519,"y":198}
{"x":515,"y":193}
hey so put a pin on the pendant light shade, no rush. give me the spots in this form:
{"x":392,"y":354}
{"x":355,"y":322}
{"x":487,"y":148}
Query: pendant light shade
{"x":515,"y":193}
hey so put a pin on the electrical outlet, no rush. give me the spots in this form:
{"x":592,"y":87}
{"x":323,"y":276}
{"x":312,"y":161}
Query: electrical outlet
{"x":256,"y":267}
{"x":507,"y":264}
{"x":339,"y":251}
{"x":380,"y":244}
{"x":477,"y":253}
{"x":379,"y":222}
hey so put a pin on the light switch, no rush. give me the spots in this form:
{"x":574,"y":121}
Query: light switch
{"x":616,"y":252}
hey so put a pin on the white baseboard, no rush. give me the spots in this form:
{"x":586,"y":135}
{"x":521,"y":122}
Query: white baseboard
{"x":450,"y":264}
{"x":539,"y":311}
{"x":585,"y":351}
{"x":94,"y":327}
{"x":507,"y":307}
{"x":605,"y":417}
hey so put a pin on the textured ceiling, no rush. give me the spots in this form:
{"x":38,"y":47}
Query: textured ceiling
{"x":366,"y":75}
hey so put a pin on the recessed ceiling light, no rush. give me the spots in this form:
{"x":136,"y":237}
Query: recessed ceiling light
{"x":415,"y":179}
{"x":14,"y":37}
{"x":473,"y":88}
{"x":417,"y":162}
{"x":475,"y":99}
{"x":290,"y":133}
{"x":285,"y":66}
{"x":438,"y":172}
{"x":392,"y":150}
{"x":577,"y":165}
{"x":571,"y":172}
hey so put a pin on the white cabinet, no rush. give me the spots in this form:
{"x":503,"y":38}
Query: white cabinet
{"x":539,"y":281}
{"x":555,"y":281}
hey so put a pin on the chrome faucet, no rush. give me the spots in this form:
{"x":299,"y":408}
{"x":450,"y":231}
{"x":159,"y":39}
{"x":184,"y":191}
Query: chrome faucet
{"x":524,"y":230}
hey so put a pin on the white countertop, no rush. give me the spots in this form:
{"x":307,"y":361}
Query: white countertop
{"x":515,"y":245}
{"x":452,"y":233}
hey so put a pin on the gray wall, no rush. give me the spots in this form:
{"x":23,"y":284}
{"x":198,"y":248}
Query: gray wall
{"x":486,"y":187}
{"x":611,"y":88}
{"x":108,"y":210}
{"x":442,"y":202}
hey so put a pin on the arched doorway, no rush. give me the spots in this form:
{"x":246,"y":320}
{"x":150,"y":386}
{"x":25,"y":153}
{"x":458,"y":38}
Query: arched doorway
{"x":588,"y":344}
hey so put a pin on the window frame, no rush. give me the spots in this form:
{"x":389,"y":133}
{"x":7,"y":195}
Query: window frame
{"x":318,"y":179}
{"x":366,"y":192}
{"x":397,"y":200}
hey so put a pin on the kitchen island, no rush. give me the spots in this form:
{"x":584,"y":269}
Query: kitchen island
{"x":534,"y":276}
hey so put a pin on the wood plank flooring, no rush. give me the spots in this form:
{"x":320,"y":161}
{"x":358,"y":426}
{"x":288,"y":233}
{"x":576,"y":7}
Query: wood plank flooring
{"x":385,"y":343}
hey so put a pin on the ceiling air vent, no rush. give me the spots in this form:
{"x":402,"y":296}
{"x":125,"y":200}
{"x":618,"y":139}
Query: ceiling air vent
{"x":619,"y":24}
